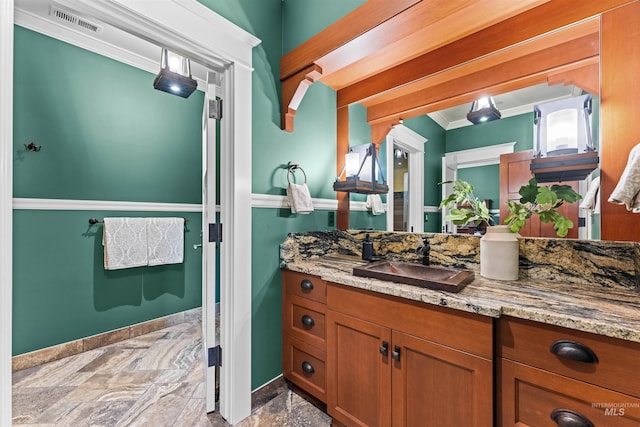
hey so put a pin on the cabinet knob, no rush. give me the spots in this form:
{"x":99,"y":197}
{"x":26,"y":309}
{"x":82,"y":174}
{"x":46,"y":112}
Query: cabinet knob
{"x":395,"y":354}
{"x":306,"y":285}
{"x":573,"y":350}
{"x":308,"y":367}
{"x":308,"y":321}
{"x":384,"y":349}
{"x":569,"y":418}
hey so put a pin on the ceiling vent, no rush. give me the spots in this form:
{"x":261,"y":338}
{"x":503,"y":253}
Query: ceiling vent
{"x":74,"y":21}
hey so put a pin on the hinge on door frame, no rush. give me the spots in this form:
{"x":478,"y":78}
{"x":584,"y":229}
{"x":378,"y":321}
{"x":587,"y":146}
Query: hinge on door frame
{"x":582,"y":221}
{"x":215,"y":108}
{"x":214,"y":356}
{"x":215,"y":232}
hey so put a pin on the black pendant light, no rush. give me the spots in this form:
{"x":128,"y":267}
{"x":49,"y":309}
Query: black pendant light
{"x":483,"y":110}
{"x":175,"y":75}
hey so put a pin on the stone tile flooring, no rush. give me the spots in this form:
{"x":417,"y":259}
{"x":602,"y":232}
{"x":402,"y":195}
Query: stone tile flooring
{"x":152,"y":380}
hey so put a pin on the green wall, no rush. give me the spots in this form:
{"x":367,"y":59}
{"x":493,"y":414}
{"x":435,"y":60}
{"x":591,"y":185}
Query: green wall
{"x":106,"y":134}
{"x":305,"y":18}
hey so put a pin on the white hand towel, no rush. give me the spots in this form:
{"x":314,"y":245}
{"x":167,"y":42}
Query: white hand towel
{"x":374,"y":203}
{"x":165,"y":241}
{"x":299,"y":198}
{"x":627,"y":192}
{"x":591,"y":200}
{"x":125,"y":243}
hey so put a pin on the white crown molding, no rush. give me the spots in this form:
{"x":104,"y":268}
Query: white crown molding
{"x":101,"y":205}
{"x":482,"y":156}
{"x":509,"y":112}
{"x":201,"y":25}
{"x":406,"y":136}
{"x":128,"y":55}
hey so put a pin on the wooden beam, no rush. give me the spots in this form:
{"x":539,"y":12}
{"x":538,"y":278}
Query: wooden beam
{"x":509,"y":74}
{"x":380,"y":130}
{"x":619,"y":112}
{"x":586,"y":78}
{"x":342,"y":148}
{"x":517,"y":29}
{"x":356,"y":23}
{"x":588,"y":32}
{"x":293,"y":90}
{"x":417,"y":30}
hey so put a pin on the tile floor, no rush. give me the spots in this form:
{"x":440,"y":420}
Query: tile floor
{"x":151,"y":380}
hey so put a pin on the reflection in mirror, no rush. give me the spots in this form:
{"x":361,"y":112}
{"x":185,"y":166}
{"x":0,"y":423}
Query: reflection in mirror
{"x":400,"y":189}
{"x":516,"y":125}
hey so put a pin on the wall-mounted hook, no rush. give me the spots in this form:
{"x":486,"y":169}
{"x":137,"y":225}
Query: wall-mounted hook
{"x":32,"y":146}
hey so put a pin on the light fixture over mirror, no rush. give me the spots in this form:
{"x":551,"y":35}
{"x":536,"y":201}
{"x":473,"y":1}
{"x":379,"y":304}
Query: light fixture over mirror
{"x":175,"y":75}
{"x":483,"y":110}
{"x":562,"y":143}
{"x":362,"y":172}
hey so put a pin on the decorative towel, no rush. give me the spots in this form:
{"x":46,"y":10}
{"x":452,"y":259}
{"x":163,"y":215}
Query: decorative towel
{"x":165,"y":241}
{"x":125,"y":243}
{"x":591,"y":201}
{"x":374,"y":203}
{"x":299,"y":198}
{"x":627,"y":192}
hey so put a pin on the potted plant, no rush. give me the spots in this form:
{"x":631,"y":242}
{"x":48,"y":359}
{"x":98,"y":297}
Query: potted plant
{"x":544,"y":202}
{"x":499,"y":247}
{"x":464,"y":207}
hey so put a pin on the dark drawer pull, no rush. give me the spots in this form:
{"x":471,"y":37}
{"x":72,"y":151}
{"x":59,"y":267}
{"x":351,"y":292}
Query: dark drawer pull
{"x":384,"y":349}
{"x":395,"y":354}
{"x":308,"y":368}
{"x":573,"y":350}
{"x":306,"y":285}
{"x":568,"y":418}
{"x":308,"y":321}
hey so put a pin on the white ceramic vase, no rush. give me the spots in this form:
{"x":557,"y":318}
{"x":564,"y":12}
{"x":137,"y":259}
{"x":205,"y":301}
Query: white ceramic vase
{"x":499,"y":253}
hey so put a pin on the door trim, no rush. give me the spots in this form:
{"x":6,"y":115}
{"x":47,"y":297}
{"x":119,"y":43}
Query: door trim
{"x":413,"y":143}
{"x":6,"y":208}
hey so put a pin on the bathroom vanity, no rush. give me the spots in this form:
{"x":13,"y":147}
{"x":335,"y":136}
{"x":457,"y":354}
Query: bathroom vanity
{"x":527,"y":353}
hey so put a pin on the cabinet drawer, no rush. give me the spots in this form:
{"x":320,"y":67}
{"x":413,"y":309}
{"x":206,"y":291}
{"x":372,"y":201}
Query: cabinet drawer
{"x":304,"y":285}
{"x":305,"y":320}
{"x":529,"y":396}
{"x":468,"y":332}
{"x":530,"y":343}
{"x":304,"y":365}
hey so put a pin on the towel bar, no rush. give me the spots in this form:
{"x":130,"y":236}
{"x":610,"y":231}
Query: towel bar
{"x":94,"y":221}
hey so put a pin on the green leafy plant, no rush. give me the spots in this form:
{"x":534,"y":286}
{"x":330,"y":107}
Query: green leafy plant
{"x":464,"y":207}
{"x":542,"y":201}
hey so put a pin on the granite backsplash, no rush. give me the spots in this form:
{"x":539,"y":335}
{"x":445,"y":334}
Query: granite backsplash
{"x":592,"y":263}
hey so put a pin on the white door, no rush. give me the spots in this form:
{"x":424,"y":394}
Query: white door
{"x":209,"y":177}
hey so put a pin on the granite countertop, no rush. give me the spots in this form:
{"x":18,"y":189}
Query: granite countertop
{"x":613,"y":312}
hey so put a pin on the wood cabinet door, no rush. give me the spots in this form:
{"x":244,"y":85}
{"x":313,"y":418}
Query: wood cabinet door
{"x":514,"y":173}
{"x":434,"y":385}
{"x":358,"y":373}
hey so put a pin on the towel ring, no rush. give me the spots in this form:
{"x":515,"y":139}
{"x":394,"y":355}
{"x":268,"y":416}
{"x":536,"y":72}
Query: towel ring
{"x":292,"y":169}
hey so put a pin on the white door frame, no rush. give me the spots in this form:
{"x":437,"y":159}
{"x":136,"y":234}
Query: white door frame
{"x":471,"y":158}
{"x":413,"y":143}
{"x":192,"y":29}
{"x":6,"y":209}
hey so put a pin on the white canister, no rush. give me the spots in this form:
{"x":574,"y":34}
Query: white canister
{"x":499,"y":253}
